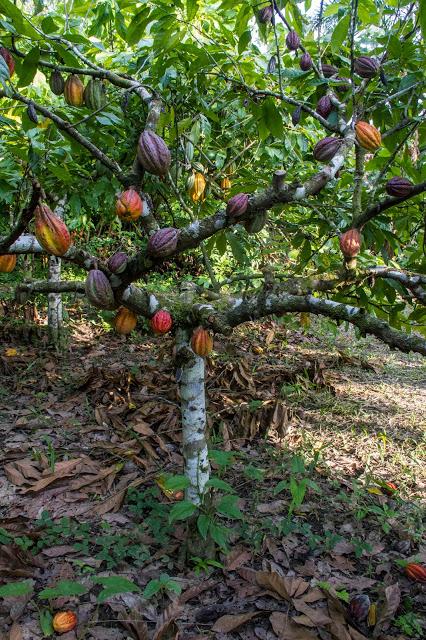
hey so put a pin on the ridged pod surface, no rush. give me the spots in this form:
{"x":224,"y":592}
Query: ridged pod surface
{"x":125,"y":321}
{"x":237,"y":205}
{"x":416,"y":571}
{"x":8,"y":58}
{"x":95,"y":94}
{"x":225,"y":184}
{"x":163,"y":242}
{"x":324,"y":106}
{"x":117,"y":262}
{"x":129,"y":205}
{"x":201,"y":342}
{"x":99,"y":291}
{"x":305,"y":62}
{"x":350,"y":243}
{"x":359,"y":606}
{"x":56,"y":82}
{"x":51,"y":232}
{"x":64,"y":621}
{"x":265,"y":14}
{"x":74,"y":91}
{"x":329,"y":70}
{"x":153,"y":153}
{"x":161,"y":322}
{"x":196,"y":191}
{"x":292,"y":40}
{"x":368,"y":136}
{"x":399,"y":187}
{"x":366,"y":67}
{"x":326,"y":149}
{"x":256,"y":224}
{"x":7,"y":263}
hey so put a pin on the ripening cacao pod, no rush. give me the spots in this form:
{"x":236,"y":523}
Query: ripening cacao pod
{"x":161,"y":322}
{"x":326,"y":149}
{"x":56,"y":82}
{"x":163,"y":242}
{"x":225,"y":184}
{"x":64,"y":621}
{"x":237,"y":205}
{"x":51,"y":231}
{"x":99,"y":291}
{"x":358,"y":607}
{"x":265,"y":14}
{"x":201,"y":342}
{"x":399,"y":187}
{"x":196,"y":192}
{"x":231,"y":169}
{"x":125,"y":321}
{"x":295,"y":116}
{"x":324,"y":106}
{"x":368,"y":136}
{"x":389,"y":488}
{"x":7,"y":263}
{"x":32,"y":113}
{"x":117,"y":262}
{"x":8,"y":58}
{"x":95,"y":94}
{"x":416,"y":571}
{"x":329,"y":70}
{"x":256,"y":224}
{"x":272,"y":64}
{"x":372,"y":615}
{"x":366,"y":67}
{"x":129,"y":205}
{"x":350,"y":243}
{"x":74,"y":91}
{"x":292,"y":41}
{"x":305,"y":62}
{"x":153,"y":153}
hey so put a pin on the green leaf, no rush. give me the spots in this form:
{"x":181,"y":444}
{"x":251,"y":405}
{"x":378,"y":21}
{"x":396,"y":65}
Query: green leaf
{"x":14,"y":14}
{"x":45,"y":619}
{"x":203,"y":524}
{"x":272,"y":118}
{"x":422,"y":18}
{"x":340,"y":33}
{"x":281,"y":486}
{"x":63,"y":588}
{"x":244,"y":41}
{"x":153,"y":587}
{"x":113,"y":585}
{"x":16,"y":589}
{"x":220,"y":535}
{"x":175,"y":483}
{"x":181,"y":511}
{"x":229,"y":508}
{"x":191,"y":9}
{"x":29,"y":67}
{"x":217,"y":483}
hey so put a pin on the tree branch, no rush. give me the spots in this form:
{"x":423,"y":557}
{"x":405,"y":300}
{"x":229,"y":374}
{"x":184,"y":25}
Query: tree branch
{"x":379,"y":207}
{"x":24,"y":219}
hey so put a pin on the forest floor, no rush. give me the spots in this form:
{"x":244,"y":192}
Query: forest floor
{"x":304,"y":429}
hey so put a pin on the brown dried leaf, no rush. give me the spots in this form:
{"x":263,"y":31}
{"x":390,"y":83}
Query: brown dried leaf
{"x":62,"y":470}
{"x":285,"y":587}
{"x":13,"y":475}
{"x":286,"y":629}
{"x":15,"y":632}
{"x":388,"y":609}
{"x":317,"y":616}
{"x":166,"y":626}
{"x":237,"y":558}
{"x":228,"y":623}
{"x":271,"y":507}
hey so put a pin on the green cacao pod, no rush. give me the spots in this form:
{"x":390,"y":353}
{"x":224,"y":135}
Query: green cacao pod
{"x":99,"y":291}
{"x":56,"y":82}
{"x":95,"y":94}
{"x":256,"y":224}
{"x":73,"y":91}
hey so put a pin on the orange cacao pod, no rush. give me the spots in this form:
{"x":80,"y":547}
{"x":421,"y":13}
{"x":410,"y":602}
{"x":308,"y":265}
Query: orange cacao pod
{"x":416,"y":571}
{"x":64,"y":621}
{"x":125,"y":321}
{"x":161,"y":322}
{"x":74,"y":91}
{"x":201,"y":342}
{"x":368,"y":136}
{"x":196,"y":192}
{"x":129,"y":205}
{"x":350,"y":243}
{"x":7,"y":263}
{"x":389,"y":488}
{"x":51,"y":231}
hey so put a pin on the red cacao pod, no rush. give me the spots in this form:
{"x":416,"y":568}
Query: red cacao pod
{"x":350,"y":243}
{"x":416,"y":571}
{"x":324,"y":106}
{"x":329,"y":70}
{"x":64,"y":621}
{"x":74,"y":91}
{"x":326,"y":149}
{"x":389,"y":488}
{"x":265,"y":14}
{"x":56,"y":82}
{"x":368,"y":136}
{"x":358,"y":607}
{"x":399,"y":187}
{"x":292,"y":40}
{"x":129,"y":205}
{"x":51,"y":231}
{"x":366,"y":67}
{"x":153,"y":153}
{"x":163,"y":242}
{"x":161,"y":322}
{"x":237,"y":205}
{"x":8,"y":58}
{"x":201,"y":342}
{"x":7,"y":263}
{"x":125,"y":321}
{"x":117,"y":262}
{"x":305,"y":62}
{"x":99,"y":291}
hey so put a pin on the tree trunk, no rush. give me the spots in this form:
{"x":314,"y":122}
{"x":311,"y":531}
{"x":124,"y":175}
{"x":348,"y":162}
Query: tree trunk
{"x":54,"y":306}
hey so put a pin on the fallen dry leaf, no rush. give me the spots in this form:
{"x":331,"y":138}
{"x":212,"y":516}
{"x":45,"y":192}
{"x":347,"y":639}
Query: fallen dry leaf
{"x":228,"y":623}
{"x":286,"y":629}
{"x":287,"y":588}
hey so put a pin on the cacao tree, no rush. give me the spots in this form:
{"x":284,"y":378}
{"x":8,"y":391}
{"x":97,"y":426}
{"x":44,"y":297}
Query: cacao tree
{"x":281,"y":144}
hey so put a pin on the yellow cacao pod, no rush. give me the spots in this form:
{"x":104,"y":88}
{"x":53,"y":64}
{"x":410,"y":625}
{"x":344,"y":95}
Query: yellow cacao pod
{"x":196,"y":192}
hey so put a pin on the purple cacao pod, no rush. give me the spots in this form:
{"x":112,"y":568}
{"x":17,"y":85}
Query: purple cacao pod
{"x":237,"y":205}
{"x":366,"y":67}
{"x":305,"y":62}
{"x":163,"y":242}
{"x":117,"y":262}
{"x":344,"y":84}
{"x":292,"y":40}
{"x":265,"y":14}
{"x":99,"y":291}
{"x":272,"y":64}
{"x":295,"y":118}
{"x":399,"y":187}
{"x":153,"y":153}
{"x":324,"y":106}
{"x":326,"y":149}
{"x":329,"y":70}
{"x":358,"y":607}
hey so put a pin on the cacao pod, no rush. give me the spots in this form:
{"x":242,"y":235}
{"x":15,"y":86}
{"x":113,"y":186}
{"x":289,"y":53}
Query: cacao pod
{"x":99,"y":291}
{"x":129,"y":205}
{"x":231,"y":169}
{"x":225,"y":184}
{"x":190,"y":181}
{"x":95,"y":94}
{"x":51,"y":231}
{"x":32,"y":113}
{"x":368,"y":136}
{"x":350,"y":243}
{"x":73,"y":91}
{"x":389,"y":488}
{"x":196,"y":192}
{"x":117,"y":262}
{"x":163,"y":242}
{"x":416,"y":571}
{"x":358,"y":607}
{"x":256,"y":224}
{"x":265,"y":14}
{"x":326,"y":149}
{"x":305,"y":62}
{"x":372,"y":615}
{"x":198,"y":167}
{"x":64,"y":621}
{"x":201,"y":342}
{"x":125,"y":321}
{"x":344,"y":84}
{"x":295,"y":116}
{"x":237,"y":205}
{"x":7,"y":263}
{"x":329,"y":70}
{"x":366,"y":67}
{"x":8,"y":58}
{"x":324,"y":106}
{"x":292,"y":41}
{"x":399,"y":187}
{"x":56,"y":82}
{"x":153,"y":153}
{"x":161,"y":322}
{"x":272,"y":64}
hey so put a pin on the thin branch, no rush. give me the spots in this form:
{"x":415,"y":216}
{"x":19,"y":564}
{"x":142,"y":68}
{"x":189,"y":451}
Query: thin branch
{"x":24,"y":219}
{"x":376,"y":209}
